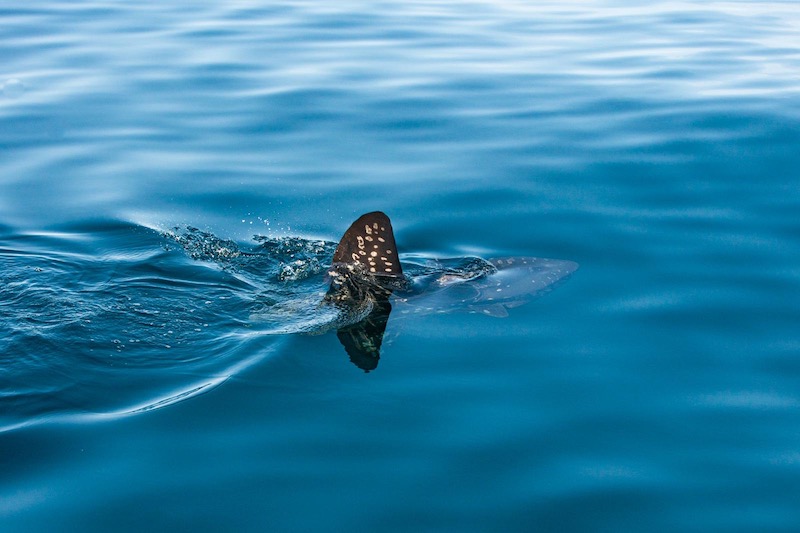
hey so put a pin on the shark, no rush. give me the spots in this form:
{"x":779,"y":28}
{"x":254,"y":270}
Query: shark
{"x":367,"y":282}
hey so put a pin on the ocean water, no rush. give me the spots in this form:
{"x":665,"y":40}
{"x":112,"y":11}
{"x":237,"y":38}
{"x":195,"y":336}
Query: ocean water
{"x":175,"y":174}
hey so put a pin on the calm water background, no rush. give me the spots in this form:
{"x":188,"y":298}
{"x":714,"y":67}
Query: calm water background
{"x":656,"y":144}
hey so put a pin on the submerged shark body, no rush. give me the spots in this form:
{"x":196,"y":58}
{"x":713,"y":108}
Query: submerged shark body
{"x":366,"y":277}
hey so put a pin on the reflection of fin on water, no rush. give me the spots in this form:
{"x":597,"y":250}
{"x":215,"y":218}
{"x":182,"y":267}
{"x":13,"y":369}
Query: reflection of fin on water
{"x":366,"y":272}
{"x":362,"y":341}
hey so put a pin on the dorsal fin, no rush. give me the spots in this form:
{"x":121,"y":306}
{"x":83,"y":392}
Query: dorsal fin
{"x":369,"y":242}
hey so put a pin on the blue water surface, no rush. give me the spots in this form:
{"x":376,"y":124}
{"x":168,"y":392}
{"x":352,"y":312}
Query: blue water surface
{"x":148,"y":149}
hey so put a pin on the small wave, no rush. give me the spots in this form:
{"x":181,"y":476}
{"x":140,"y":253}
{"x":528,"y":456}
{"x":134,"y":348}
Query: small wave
{"x":101,"y":316}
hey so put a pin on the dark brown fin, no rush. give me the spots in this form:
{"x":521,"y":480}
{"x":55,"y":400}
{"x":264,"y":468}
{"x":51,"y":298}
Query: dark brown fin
{"x":369,"y":242}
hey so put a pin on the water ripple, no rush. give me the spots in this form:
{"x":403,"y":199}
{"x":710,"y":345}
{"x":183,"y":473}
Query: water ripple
{"x":99,"y":317}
